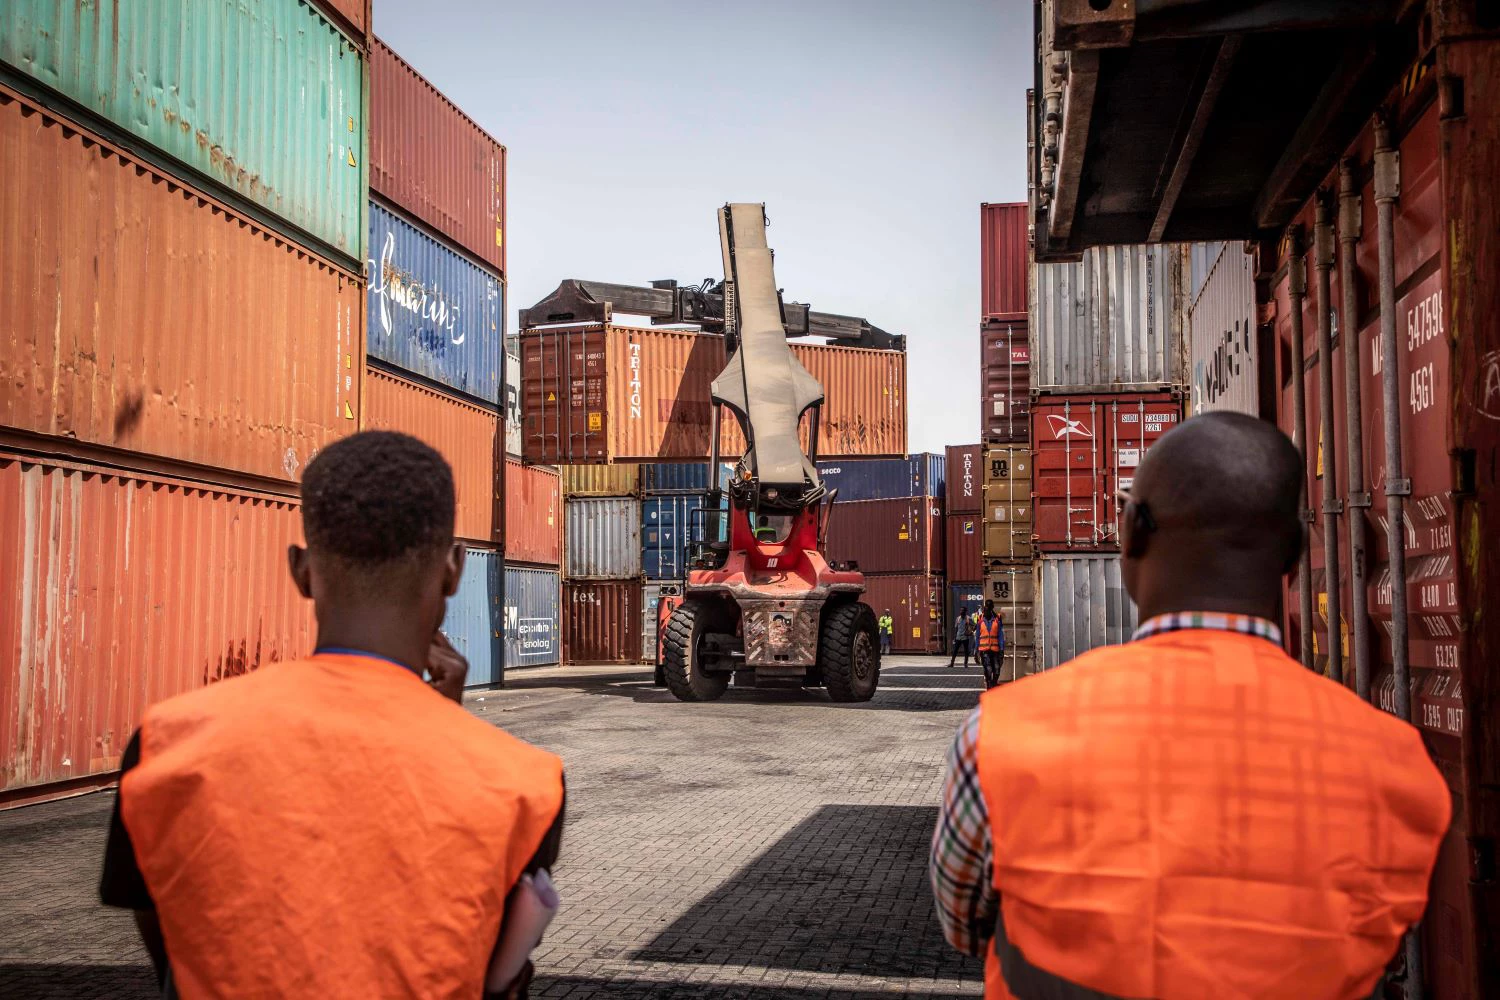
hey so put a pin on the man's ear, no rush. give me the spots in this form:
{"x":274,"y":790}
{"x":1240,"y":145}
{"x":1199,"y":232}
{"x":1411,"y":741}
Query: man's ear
{"x":453,"y":569}
{"x":297,"y":562}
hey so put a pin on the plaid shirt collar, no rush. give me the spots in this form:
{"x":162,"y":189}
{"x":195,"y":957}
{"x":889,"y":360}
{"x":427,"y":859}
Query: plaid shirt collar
{"x":1179,"y":620}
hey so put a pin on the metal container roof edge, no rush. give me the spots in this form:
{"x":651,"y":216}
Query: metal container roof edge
{"x":376,"y":40}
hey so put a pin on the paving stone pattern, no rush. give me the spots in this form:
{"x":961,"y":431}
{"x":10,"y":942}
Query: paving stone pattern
{"x":768,"y":845}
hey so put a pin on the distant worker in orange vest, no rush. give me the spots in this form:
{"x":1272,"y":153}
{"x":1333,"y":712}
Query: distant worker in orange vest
{"x":336,"y":825}
{"x":1192,"y":814}
{"x":991,"y":634}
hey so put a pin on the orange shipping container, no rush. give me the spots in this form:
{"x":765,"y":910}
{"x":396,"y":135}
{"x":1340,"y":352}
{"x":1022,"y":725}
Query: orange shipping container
{"x":468,"y":436}
{"x":533,"y":515}
{"x":122,"y":590}
{"x":594,"y":394}
{"x":144,"y":316}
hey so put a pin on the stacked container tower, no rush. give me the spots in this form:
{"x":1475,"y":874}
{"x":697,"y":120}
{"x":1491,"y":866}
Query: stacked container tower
{"x":602,"y":574}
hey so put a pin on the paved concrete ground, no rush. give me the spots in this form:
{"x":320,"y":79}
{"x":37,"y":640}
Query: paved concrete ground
{"x":769,"y":845}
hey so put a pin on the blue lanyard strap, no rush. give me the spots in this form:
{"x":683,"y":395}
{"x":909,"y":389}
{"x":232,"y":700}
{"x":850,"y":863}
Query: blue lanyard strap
{"x":346,"y":651}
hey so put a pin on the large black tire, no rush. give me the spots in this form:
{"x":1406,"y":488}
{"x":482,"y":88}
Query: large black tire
{"x":849,"y":653}
{"x":680,"y":659}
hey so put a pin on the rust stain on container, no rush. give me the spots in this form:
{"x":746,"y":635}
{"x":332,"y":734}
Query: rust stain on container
{"x":598,"y":394}
{"x":1003,"y":254}
{"x":602,"y":621}
{"x":433,"y":160}
{"x":533,"y":515}
{"x":145,"y":316}
{"x":125,"y":589}
{"x":468,"y":437}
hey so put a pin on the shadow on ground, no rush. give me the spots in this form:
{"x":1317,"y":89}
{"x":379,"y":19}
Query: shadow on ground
{"x":56,"y":981}
{"x":844,"y":892}
{"x":617,"y":989}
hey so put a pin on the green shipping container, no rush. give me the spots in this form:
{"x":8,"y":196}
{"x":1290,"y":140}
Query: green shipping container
{"x":266,"y":98}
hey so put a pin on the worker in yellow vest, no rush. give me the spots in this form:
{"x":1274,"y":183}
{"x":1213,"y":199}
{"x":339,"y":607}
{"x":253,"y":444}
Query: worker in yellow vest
{"x":991,"y":635}
{"x":336,"y":825}
{"x":1191,"y":814}
{"x":887,"y":628}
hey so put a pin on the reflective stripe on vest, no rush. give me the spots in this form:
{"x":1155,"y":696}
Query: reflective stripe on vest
{"x":989,"y":634}
{"x":332,"y":827}
{"x":1196,"y":815}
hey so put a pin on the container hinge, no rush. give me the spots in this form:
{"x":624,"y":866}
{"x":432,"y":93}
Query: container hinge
{"x":1333,"y":506}
{"x":1398,"y":488}
{"x":1359,"y":500}
{"x":1307,"y":514}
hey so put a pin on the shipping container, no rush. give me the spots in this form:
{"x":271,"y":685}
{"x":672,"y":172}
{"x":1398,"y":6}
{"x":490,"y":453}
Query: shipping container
{"x":431,"y":311}
{"x":964,"y":554}
{"x":117,"y":598}
{"x":964,"y":597}
{"x":1114,"y":321}
{"x":433,"y":161}
{"x":1009,"y":531}
{"x":1083,"y":605}
{"x":467,"y":435}
{"x":1005,"y":382}
{"x":668,"y":522}
{"x":513,"y":406}
{"x":1222,"y":347}
{"x":964,"y":493}
{"x":1085,"y":448}
{"x":885,"y":478}
{"x":163,"y":350}
{"x":533,"y":623}
{"x":595,"y":395}
{"x":888,"y":536}
{"x":603,"y":539}
{"x":1008,"y":464}
{"x":602,"y":621}
{"x":651,"y":595}
{"x":1013,"y":589}
{"x":351,"y":15}
{"x":474,"y":615}
{"x":533,"y":515}
{"x":262,"y":98}
{"x":1004,"y":250}
{"x":915,"y":601}
{"x":601,"y":480}
{"x":682,"y":477}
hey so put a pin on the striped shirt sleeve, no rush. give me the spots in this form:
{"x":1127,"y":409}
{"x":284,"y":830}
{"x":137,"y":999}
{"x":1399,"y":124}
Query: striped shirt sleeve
{"x":960,"y":867}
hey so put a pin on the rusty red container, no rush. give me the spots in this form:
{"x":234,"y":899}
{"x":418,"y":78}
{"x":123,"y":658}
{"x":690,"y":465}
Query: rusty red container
{"x":915,"y":601}
{"x":888,"y":536}
{"x":468,"y":436}
{"x":123,"y":589}
{"x":1084,"y":448}
{"x":965,"y":475}
{"x":1005,"y":382}
{"x":533,"y":515}
{"x":351,"y":15}
{"x":433,"y":160}
{"x":964,"y":550}
{"x":127,"y":331}
{"x":601,"y":621}
{"x":1003,"y":257}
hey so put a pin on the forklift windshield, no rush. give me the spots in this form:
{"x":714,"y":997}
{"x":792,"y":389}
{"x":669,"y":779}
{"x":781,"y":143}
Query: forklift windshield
{"x":772,"y":529}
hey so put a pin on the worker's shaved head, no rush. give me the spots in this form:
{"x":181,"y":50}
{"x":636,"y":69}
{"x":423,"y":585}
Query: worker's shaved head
{"x":1214,"y":525}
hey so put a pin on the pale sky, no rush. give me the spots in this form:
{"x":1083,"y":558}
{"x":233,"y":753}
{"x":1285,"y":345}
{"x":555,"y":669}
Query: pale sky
{"x":872,"y":131}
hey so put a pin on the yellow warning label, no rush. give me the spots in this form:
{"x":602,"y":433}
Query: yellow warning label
{"x":499,"y":238}
{"x":903,"y":536}
{"x":1320,"y":453}
{"x":1323,"y":606}
{"x":351,"y":157}
{"x":348,"y":411}
{"x":348,"y":362}
{"x":596,"y":421}
{"x":916,"y":633}
{"x":551,"y":397}
{"x":351,"y":123}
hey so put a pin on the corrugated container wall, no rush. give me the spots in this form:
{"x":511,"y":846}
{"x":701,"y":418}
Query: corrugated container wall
{"x":963,"y":597}
{"x":682,"y":477}
{"x":355,"y":16}
{"x":964,"y":551}
{"x":532,"y":630}
{"x":888,"y":536}
{"x":472,"y":622}
{"x":117,"y":598}
{"x":602,"y":621}
{"x":594,"y":395}
{"x":885,"y":478}
{"x":513,"y":406}
{"x":1009,"y":509}
{"x":915,"y":601}
{"x":1083,"y":606}
{"x":1114,"y":321}
{"x":533,"y":515}
{"x":1221,"y":335}
{"x":432,"y":160}
{"x":1003,"y":255}
{"x":601,"y":480}
{"x":160,"y":348}
{"x":603,"y":539}
{"x":142,"y":68}
{"x":1004,"y":382}
{"x":668,"y":522}
{"x":433,"y":312}
{"x":467,"y":436}
{"x":964,"y":492}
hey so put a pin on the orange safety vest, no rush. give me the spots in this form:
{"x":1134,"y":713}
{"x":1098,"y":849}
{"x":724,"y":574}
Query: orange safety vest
{"x":332,"y":827}
{"x":1197,"y":815}
{"x":989,"y":634}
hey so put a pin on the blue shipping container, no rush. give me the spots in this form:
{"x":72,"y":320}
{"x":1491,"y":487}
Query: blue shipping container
{"x":885,"y":478}
{"x":963,"y":595}
{"x":668,"y":523}
{"x":533,"y":598}
{"x":680,"y":477}
{"x":473,"y":620}
{"x":432,"y":311}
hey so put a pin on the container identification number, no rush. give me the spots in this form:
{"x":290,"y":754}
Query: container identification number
{"x":1424,"y":321}
{"x":1421,"y":388}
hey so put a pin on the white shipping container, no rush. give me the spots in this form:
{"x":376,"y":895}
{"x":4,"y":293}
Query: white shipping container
{"x":1221,"y":335}
{"x":1082,"y":605}
{"x":1114,"y":321}
{"x":602,"y":538}
{"x":512,"y":406}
